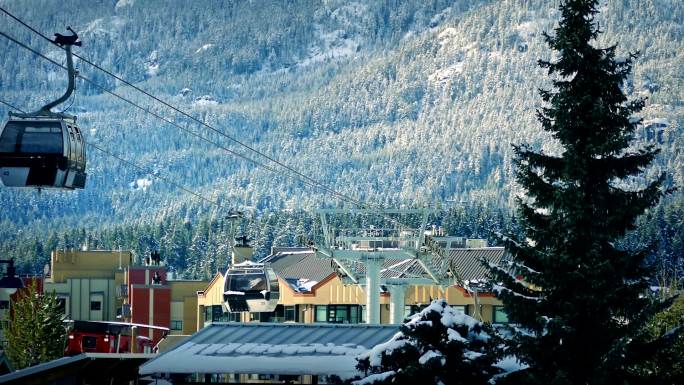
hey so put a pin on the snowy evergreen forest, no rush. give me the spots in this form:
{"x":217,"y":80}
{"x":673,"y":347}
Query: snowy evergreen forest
{"x":398,"y":103}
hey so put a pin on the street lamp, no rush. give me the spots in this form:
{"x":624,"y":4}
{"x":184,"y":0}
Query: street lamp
{"x":10,"y":282}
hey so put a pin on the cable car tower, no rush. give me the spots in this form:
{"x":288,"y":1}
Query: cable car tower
{"x":45,"y":149}
{"x":391,"y":255}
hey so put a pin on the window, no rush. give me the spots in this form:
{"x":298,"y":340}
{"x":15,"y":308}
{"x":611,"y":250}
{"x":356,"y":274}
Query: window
{"x":61,"y":304}
{"x":459,"y":308}
{"x":247,"y":282}
{"x":41,"y":137}
{"x":321,"y":314}
{"x":291,"y":314}
{"x":95,"y":305}
{"x":410,"y":310}
{"x":342,"y":314}
{"x":500,"y":316}
{"x":273,"y":281}
{"x":267,"y":316}
{"x":215,"y":313}
{"x":4,"y":305}
{"x":89,"y":342}
{"x":176,"y":325}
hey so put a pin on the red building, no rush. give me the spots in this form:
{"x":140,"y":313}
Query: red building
{"x":149,"y":297}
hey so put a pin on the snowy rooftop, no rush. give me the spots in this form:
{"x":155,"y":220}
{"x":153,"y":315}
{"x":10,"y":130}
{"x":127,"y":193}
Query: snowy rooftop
{"x":299,"y":268}
{"x":265,"y":348}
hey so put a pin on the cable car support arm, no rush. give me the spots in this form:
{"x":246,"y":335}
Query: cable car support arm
{"x":65,"y":42}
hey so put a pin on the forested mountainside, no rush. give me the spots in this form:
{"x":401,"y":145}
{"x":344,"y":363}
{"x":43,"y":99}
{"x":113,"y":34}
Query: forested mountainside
{"x":391,"y":102}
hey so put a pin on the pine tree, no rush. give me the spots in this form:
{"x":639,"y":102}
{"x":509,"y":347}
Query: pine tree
{"x":581,"y":297}
{"x":439,"y":345}
{"x":35,"y":333}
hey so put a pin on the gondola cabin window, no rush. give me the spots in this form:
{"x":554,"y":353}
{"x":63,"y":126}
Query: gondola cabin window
{"x":248,"y":282}
{"x":32,"y":137}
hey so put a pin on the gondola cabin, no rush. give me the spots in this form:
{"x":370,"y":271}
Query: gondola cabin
{"x":251,"y":287}
{"x":42,"y":152}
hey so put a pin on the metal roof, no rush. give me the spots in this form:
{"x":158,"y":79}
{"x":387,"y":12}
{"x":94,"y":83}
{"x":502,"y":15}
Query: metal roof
{"x":91,"y":366}
{"x":467,"y":262}
{"x":301,"y":264}
{"x":298,"y":264}
{"x":267,"y":348}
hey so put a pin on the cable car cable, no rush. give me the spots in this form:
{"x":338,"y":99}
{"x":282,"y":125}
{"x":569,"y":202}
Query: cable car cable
{"x":237,"y":141}
{"x":342,"y":196}
{"x":147,"y":110}
{"x":135,"y":165}
{"x":311,"y":182}
{"x":166,"y":120}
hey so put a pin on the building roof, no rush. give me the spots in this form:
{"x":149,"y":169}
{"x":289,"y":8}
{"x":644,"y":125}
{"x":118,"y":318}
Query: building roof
{"x":467,"y":262}
{"x":300,"y":268}
{"x":92,"y":367}
{"x":265,"y":348}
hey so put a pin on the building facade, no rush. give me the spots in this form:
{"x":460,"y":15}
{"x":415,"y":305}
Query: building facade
{"x":107,"y":285}
{"x":86,"y":282}
{"x":312,"y":292}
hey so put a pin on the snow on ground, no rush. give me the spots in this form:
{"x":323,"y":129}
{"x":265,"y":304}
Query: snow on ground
{"x":529,"y":29}
{"x":447,"y":36}
{"x":335,"y":44}
{"x":140,"y":184}
{"x":152,"y":64}
{"x":205,"y":100}
{"x":349,"y":13}
{"x":124,"y":3}
{"x":203,"y":48}
{"x":104,"y":26}
{"x":443,"y":75}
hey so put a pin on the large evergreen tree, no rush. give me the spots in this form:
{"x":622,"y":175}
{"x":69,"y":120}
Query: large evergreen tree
{"x":35,"y":333}
{"x":581,"y":297}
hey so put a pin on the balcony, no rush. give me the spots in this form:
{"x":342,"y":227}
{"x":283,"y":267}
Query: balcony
{"x":122,"y":291}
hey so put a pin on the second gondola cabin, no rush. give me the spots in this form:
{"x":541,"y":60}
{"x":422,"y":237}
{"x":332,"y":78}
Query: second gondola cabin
{"x":251,"y":287}
{"x":42,"y":152}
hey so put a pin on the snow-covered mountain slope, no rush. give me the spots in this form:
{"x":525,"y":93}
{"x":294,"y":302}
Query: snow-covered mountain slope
{"x":402,"y":102}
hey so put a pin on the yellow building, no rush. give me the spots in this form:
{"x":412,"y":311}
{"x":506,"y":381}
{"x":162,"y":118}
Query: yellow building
{"x":100,"y":286}
{"x":86,"y":282}
{"x":311,"y":291}
{"x":184,"y":305}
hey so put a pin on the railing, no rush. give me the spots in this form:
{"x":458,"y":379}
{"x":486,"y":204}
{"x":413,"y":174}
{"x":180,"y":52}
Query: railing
{"x":122,"y":291}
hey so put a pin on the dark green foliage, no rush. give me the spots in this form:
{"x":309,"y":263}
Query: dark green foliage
{"x":198,"y":248}
{"x":463,"y":351}
{"x":587,"y":295}
{"x":656,"y":355}
{"x":36,"y":333}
